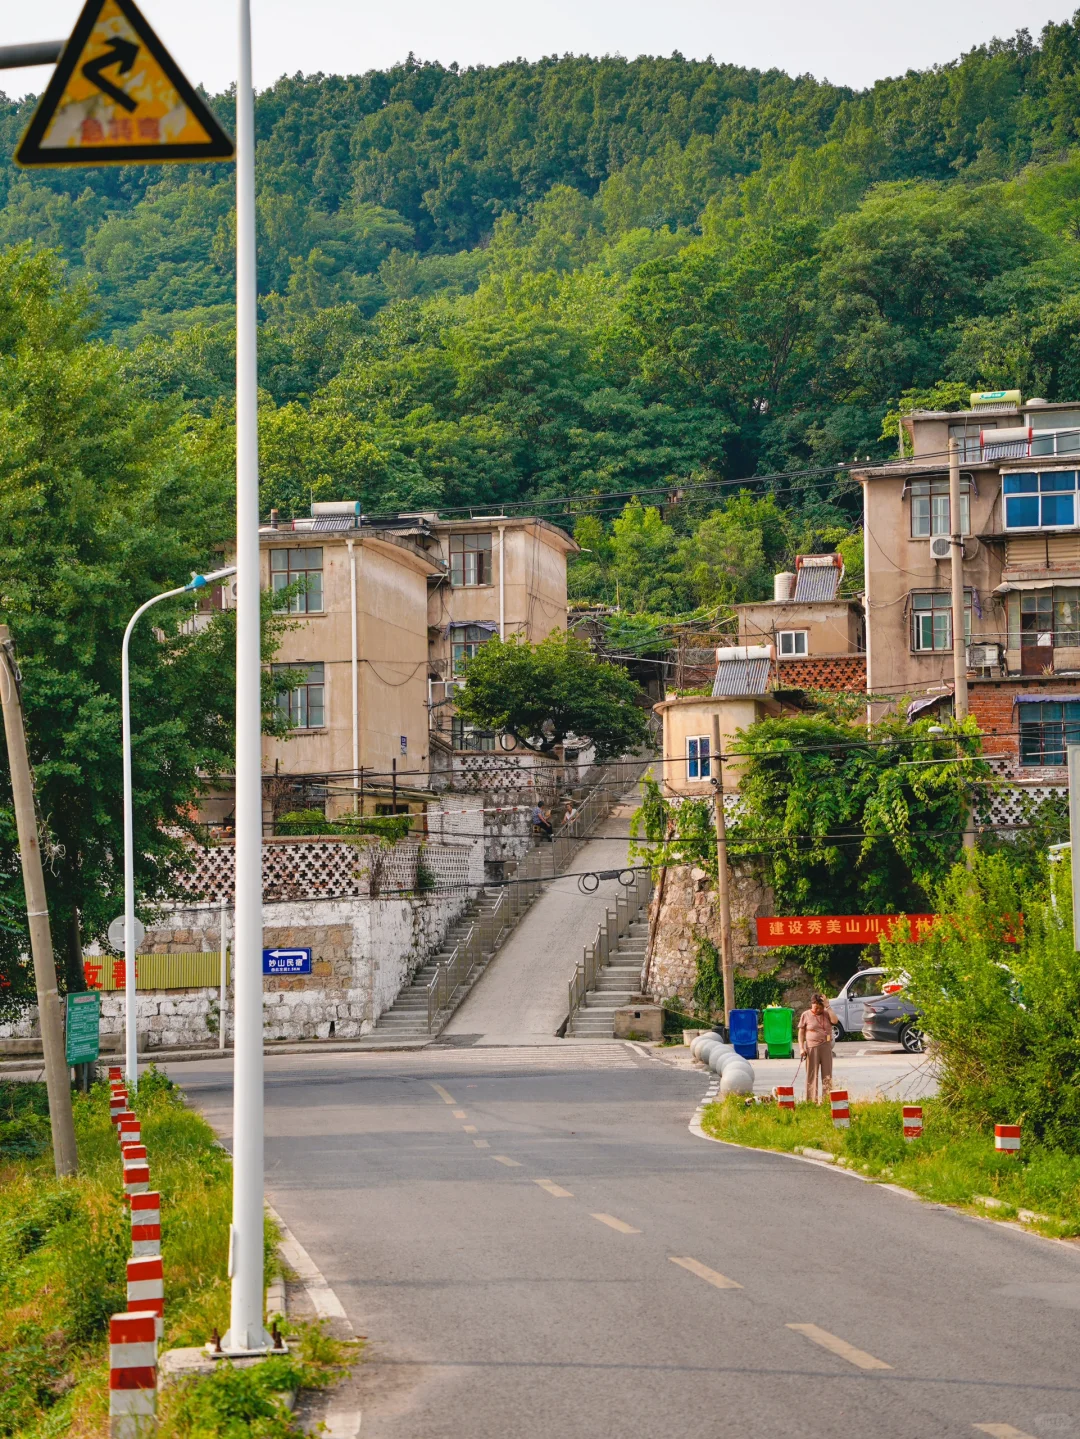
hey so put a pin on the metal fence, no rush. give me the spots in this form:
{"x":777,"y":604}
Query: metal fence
{"x":613,"y":926}
{"x":491,"y":924}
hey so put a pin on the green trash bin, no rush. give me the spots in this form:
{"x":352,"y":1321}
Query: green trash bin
{"x":778,"y":1023}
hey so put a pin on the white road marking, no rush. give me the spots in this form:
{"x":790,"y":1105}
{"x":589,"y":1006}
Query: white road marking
{"x":441,"y":1092}
{"x":327,"y":1304}
{"x":1001,"y":1431}
{"x":711,"y":1276}
{"x":460,"y":1114}
{"x":840,"y":1347}
{"x":470,"y":1129}
{"x":552,"y":1188}
{"x":481,"y":1144}
{"x":619,"y":1224}
{"x":510,"y":1163}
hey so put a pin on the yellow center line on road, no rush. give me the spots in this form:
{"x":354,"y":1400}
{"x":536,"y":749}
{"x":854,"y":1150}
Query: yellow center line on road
{"x":552,"y":1188}
{"x":1001,"y":1431}
{"x":460,"y":1114}
{"x":504,"y":1159}
{"x":470,"y":1129}
{"x":619,"y":1224}
{"x":711,"y":1276}
{"x":840,"y":1347}
{"x":481,"y":1144}
{"x":441,"y":1092}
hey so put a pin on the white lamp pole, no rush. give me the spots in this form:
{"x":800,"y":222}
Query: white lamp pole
{"x":247,"y":1333}
{"x":131,"y":1063}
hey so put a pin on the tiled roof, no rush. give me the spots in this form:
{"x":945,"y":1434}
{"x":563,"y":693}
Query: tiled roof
{"x":741,"y":677}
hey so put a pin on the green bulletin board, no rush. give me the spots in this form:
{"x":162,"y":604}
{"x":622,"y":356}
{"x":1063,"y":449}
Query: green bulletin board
{"x":83,"y":1027}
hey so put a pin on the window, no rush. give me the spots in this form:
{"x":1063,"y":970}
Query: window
{"x":967,"y":433}
{"x":303,"y":705}
{"x":465,"y":640}
{"x":1048,"y":617}
{"x":288,"y":566}
{"x":698,"y":757}
{"x":463,"y":736}
{"x":1064,"y":436}
{"x":864,"y":985}
{"x":792,"y":642}
{"x":931,"y":619}
{"x":470,"y":559}
{"x":1039,"y":502}
{"x":930,"y":508}
{"x":1045,"y":729}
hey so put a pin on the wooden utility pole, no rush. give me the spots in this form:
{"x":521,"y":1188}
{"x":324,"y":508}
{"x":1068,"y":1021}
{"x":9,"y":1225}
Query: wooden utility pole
{"x":57,"y":1079}
{"x":723,"y":893}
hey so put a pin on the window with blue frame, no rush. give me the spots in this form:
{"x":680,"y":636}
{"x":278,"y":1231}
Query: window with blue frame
{"x":1046,"y":727}
{"x":1040,"y":502}
{"x":698,"y":757}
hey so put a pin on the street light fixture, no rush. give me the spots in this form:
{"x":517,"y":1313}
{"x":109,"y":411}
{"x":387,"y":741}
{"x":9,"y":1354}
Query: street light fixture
{"x":197,"y":582}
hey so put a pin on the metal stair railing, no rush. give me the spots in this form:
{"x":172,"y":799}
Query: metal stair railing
{"x":615,"y":924}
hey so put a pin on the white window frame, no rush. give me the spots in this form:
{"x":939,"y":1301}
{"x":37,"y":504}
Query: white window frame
{"x":945,"y":610}
{"x":794,"y":636}
{"x":929,"y":500}
{"x":699,"y":756}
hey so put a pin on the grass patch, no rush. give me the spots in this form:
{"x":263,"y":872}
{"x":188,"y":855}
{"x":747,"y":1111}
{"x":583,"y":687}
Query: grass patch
{"x":64,"y":1246}
{"x":951,"y":1164}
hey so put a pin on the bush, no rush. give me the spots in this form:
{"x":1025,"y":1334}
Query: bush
{"x":1000,"y":997}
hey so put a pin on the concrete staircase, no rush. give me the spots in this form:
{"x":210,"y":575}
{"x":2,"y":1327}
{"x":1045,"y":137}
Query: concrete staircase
{"x":406,"y":1021}
{"x":615,"y":983}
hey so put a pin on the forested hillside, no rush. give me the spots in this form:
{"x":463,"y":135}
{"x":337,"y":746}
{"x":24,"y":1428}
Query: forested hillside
{"x":593,"y":276}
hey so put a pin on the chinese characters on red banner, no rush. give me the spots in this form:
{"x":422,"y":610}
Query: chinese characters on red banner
{"x":836,"y":928}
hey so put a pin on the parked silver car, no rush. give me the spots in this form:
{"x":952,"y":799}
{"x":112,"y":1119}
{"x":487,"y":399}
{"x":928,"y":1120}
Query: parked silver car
{"x":848,"y":1004}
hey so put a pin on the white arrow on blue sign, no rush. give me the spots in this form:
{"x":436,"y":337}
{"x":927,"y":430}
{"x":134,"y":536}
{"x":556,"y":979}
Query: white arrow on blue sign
{"x":286,"y":961}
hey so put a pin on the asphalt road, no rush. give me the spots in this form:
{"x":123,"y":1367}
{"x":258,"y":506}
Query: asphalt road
{"x":537,"y":1247}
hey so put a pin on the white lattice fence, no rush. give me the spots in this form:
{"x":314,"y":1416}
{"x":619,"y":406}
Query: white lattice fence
{"x":1012,"y":804}
{"x":318,"y":868}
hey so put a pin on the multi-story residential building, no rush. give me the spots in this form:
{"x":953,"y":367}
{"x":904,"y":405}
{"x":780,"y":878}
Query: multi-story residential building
{"x":381,"y":615}
{"x":817,"y":634}
{"x":1020,"y":518}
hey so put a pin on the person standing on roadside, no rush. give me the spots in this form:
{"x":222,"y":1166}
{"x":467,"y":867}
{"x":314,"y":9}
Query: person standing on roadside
{"x":816,"y":1046}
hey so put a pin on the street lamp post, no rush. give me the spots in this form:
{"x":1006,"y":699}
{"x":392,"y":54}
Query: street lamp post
{"x":198,"y":582}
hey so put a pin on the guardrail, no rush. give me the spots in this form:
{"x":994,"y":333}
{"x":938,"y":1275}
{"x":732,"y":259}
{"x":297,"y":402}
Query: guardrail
{"x":542,"y":862}
{"x":613,"y":926}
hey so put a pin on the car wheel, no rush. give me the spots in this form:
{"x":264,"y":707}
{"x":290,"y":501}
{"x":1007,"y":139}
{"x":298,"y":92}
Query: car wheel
{"x":838,"y":1032}
{"x":912,"y":1038}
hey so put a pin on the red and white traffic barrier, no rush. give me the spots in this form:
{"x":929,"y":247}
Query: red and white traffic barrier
{"x":841,"y":1114}
{"x":132,"y":1375}
{"x":785,"y":1096}
{"x":912,"y":1121}
{"x":1007,"y":1138}
{"x":136,"y":1175}
{"x":128,"y":1128}
{"x":146,"y":1287}
{"x":116,"y":1074}
{"x":118,"y":1103}
{"x":146,"y":1224}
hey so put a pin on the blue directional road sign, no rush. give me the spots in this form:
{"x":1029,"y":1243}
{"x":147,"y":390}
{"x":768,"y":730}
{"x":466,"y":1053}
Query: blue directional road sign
{"x":286,"y":961}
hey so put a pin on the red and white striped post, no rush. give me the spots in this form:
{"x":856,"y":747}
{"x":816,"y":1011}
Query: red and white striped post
{"x":146,"y":1224}
{"x":136,"y":1175}
{"x":118,"y":1103}
{"x":132,"y":1375}
{"x":912,"y":1121}
{"x":1007,"y":1139}
{"x":116,"y":1073}
{"x":841,"y":1114}
{"x":785,"y":1096}
{"x":146,"y":1287}
{"x":128,"y":1128}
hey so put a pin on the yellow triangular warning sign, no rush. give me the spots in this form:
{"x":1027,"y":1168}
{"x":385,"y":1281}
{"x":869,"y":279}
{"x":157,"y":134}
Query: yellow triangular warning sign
{"x":117,"y":97}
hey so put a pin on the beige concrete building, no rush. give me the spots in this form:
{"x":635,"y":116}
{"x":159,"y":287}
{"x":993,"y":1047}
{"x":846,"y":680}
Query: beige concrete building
{"x":1020,"y":517}
{"x":816,"y":634}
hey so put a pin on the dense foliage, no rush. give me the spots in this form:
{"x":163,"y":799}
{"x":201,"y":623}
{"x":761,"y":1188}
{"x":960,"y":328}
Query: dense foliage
{"x":601,"y":278}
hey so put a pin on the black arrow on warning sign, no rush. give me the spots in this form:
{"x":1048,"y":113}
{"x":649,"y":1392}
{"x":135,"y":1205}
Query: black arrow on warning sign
{"x":121,"y":53}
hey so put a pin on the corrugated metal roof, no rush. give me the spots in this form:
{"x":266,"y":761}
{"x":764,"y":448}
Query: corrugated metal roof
{"x":816,"y":582}
{"x":741,"y":677}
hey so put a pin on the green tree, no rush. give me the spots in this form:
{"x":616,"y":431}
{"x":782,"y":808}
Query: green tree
{"x":548,"y":693}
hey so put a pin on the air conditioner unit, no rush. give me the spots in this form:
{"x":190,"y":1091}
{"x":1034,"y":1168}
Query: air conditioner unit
{"x":983,"y":656}
{"x":940,"y":547}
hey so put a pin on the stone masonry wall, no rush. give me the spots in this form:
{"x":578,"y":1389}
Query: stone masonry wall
{"x":684,"y":911}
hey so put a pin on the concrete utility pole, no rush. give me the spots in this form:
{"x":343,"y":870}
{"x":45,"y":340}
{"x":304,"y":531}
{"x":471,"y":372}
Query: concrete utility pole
{"x":57,"y":1081}
{"x":723,"y":894}
{"x":1073,"y":755}
{"x":959,"y":638}
{"x":247,"y":1333}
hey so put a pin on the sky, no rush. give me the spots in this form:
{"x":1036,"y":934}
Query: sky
{"x":850,"y":42}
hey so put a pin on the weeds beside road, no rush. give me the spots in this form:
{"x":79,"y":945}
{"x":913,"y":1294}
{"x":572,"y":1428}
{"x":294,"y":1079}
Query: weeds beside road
{"x":952,"y":1163}
{"x":64,"y":1245}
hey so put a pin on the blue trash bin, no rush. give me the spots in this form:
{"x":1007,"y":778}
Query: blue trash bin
{"x":744,"y":1027}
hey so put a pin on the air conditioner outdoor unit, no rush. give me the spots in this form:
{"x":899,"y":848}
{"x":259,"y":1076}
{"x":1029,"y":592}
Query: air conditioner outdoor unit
{"x":940,"y":547}
{"x":983,"y":656}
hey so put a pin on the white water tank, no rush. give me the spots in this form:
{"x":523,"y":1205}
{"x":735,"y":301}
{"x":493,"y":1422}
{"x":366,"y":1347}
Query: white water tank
{"x":783,"y":586}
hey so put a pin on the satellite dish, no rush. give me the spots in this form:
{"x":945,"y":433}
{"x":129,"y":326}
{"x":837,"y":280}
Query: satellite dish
{"x":116,"y":933}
